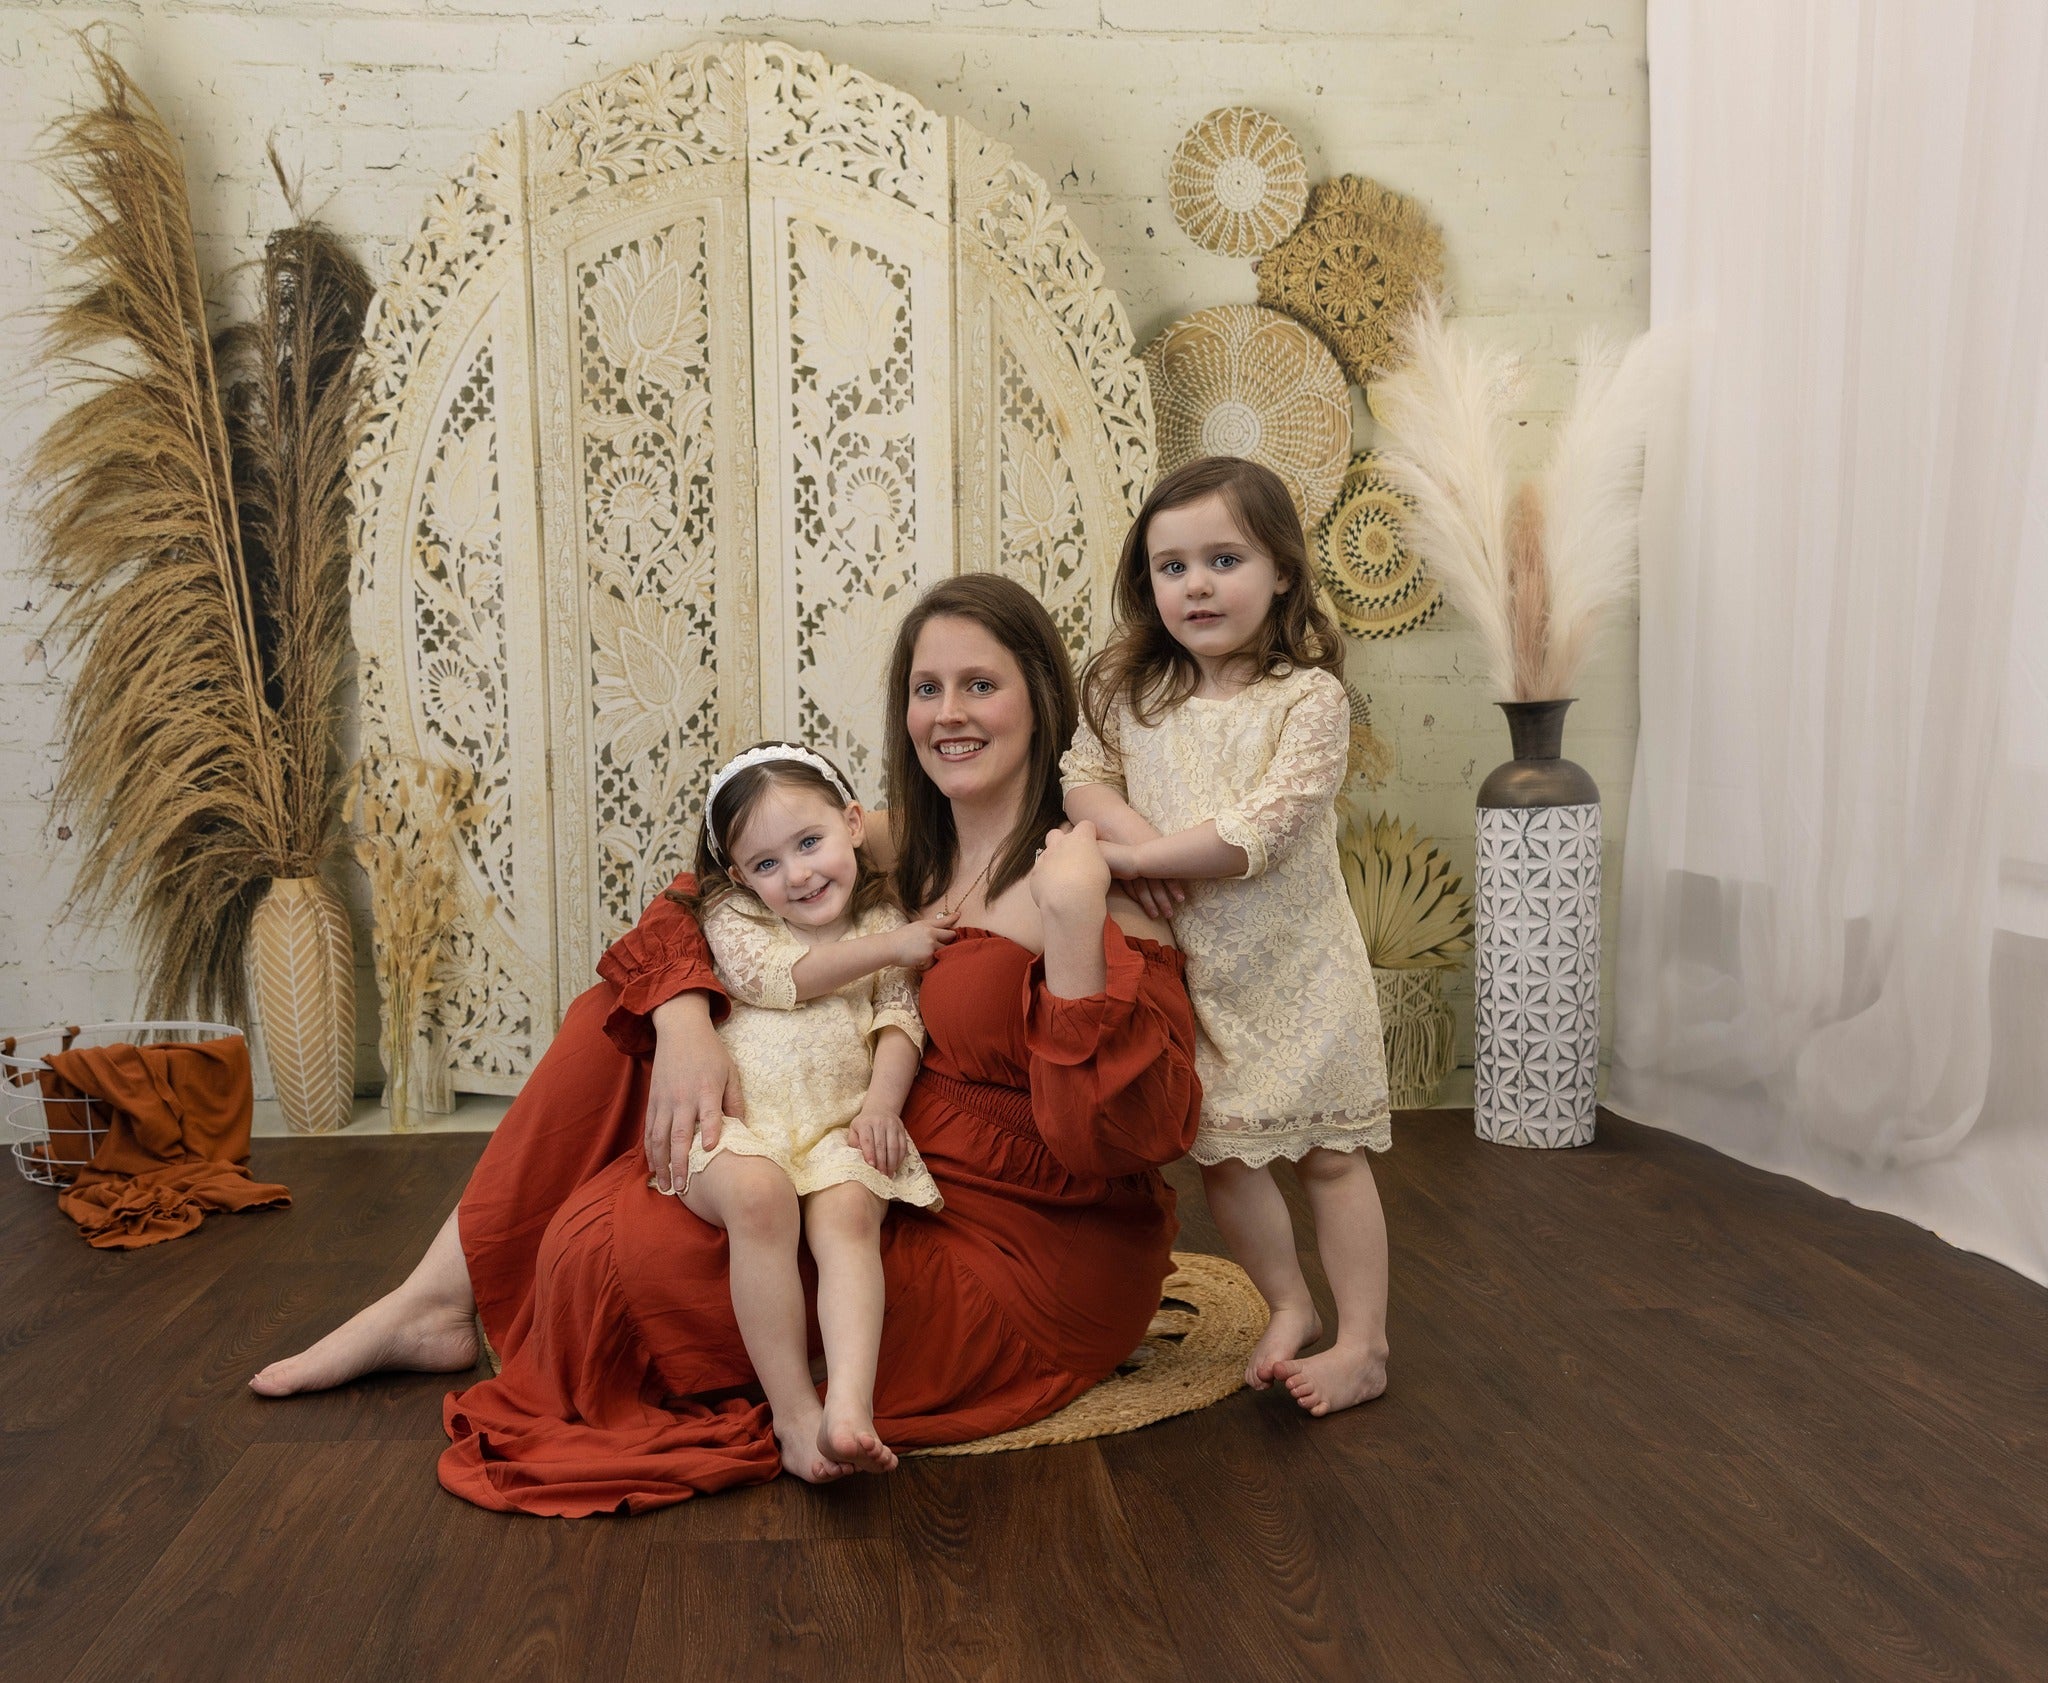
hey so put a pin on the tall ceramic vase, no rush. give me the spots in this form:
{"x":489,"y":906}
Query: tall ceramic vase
{"x":1538,"y":973}
{"x":303,"y":966}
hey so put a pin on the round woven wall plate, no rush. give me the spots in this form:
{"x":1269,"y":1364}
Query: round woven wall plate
{"x":1355,"y":270}
{"x":1237,"y":380}
{"x":1377,"y":586}
{"x":1237,"y":182}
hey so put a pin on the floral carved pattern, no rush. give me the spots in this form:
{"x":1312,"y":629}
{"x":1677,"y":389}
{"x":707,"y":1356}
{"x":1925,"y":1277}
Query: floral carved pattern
{"x":1044,"y":536}
{"x":645,"y":423}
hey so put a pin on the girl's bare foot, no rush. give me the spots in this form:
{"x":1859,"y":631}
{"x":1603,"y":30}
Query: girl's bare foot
{"x":1340,"y":1377}
{"x":399,"y":1331}
{"x":850,"y":1437}
{"x":1288,"y":1333}
{"x":803,"y":1452}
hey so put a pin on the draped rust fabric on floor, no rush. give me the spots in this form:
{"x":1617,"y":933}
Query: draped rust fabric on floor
{"x":176,"y":1146}
{"x":1044,"y":1121}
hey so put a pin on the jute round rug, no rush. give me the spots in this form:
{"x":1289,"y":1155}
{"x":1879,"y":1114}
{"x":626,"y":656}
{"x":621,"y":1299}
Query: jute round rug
{"x":1210,"y":1316}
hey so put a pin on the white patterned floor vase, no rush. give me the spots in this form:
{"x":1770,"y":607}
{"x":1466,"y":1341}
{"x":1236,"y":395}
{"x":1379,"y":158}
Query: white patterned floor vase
{"x":1538,"y":981}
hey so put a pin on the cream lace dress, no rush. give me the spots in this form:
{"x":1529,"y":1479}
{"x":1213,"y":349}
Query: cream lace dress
{"x":804,"y":1069}
{"x":1290,"y":1054}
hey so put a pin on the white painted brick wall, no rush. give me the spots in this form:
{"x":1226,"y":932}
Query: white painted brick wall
{"x":1521,"y":124}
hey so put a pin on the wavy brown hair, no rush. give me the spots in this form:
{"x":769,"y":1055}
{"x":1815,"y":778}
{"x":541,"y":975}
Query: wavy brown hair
{"x":727,"y":816}
{"x":1142,"y":665}
{"x":927,"y":846}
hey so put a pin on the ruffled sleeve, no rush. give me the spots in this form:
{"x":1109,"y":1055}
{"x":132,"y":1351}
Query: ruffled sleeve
{"x":662,"y":955}
{"x":895,"y":989}
{"x":1113,"y":1087}
{"x":1301,"y":781}
{"x":756,"y":954}
{"x":1090,"y":760}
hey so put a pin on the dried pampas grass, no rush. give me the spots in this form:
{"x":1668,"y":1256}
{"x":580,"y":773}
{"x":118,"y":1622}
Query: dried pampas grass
{"x":200,"y":537}
{"x":1536,"y":568}
{"x":294,"y":377}
{"x":409,"y":818}
{"x":174,"y":766}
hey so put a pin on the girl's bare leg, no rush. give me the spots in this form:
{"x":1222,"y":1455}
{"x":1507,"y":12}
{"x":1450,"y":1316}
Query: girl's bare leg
{"x":428,"y":1325}
{"x":1252,"y":1214}
{"x":844,"y":1226}
{"x":1351,"y":1235}
{"x":751,"y":1198}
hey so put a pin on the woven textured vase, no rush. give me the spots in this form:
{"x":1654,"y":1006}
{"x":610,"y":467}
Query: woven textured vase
{"x":302,"y":962}
{"x":1417,"y":1028}
{"x":1537,"y":982}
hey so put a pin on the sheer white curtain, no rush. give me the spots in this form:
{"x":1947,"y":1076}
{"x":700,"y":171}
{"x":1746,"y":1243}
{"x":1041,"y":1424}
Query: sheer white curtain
{"x":1835,"y":885}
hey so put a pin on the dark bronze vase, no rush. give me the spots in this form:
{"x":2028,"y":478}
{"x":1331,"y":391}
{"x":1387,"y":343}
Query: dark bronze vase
{"x":1539,"y":774}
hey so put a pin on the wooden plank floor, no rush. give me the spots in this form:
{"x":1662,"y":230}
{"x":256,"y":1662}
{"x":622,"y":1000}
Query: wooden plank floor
{"x":1654,"y":1415}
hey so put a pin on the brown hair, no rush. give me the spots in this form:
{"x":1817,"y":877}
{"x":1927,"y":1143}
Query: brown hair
{"x":1142,"y":665}
{"x":927,"y":847}
{"x":726,"y":816}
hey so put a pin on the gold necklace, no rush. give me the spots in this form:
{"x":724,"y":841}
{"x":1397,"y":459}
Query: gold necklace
{"x":946,"y":911}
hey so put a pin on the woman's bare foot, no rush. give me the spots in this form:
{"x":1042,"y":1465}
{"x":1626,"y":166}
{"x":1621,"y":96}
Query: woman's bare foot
{"x":849,"y":1436}
{"x":803,"y":1452}
{"x":398,"y":1331}
{"x":1288,"y":1333}
{"x":1340,"y":1377}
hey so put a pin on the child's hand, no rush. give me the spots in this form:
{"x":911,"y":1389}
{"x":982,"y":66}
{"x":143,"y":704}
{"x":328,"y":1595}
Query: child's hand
{"x":917,"y":943}
{"x":879,"y":1137}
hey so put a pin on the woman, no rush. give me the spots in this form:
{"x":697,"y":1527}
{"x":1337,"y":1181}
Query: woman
{"x":1058,"y":1076}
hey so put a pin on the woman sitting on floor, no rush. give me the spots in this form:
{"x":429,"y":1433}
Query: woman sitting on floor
{"x":1058,"y":1076}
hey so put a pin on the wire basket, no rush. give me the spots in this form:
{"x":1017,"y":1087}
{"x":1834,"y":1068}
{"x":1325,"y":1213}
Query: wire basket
{"x":51,"y":1139}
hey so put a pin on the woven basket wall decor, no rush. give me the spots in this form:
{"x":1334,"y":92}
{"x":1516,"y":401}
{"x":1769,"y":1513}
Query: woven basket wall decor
{"x":1355,"y":269}
{"x":1376,"y":585}
{"x":1238,"y":380}
{"x":302,"y":962}
{"x":1237,"y":182}
{"x":1418,"y":1031}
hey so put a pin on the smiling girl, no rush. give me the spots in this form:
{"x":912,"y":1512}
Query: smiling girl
{"x":1214,"y":740}
{"x":825,"y":1036}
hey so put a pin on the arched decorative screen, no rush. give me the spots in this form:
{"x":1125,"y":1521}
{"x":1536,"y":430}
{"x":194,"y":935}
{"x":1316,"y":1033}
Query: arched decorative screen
{"x":684,"y":385}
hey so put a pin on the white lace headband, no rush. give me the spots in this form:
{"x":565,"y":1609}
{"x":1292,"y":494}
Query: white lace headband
{"x":767,"y":754}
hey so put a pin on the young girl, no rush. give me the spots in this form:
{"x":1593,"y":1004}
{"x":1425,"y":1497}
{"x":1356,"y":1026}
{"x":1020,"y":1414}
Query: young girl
{"x":1214,"y":740}
{"x":825,"y":1035}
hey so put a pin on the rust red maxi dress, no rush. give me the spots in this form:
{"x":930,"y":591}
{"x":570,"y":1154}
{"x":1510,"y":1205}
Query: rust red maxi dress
{"x":1044,"y":1121}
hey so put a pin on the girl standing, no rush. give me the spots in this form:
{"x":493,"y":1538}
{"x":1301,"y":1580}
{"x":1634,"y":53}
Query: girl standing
{"x":825,"y":1036}
{"x":1214,"y":736}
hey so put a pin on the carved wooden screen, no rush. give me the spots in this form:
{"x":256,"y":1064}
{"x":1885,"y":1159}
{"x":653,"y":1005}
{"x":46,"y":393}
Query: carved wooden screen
{"x":686,"y":385}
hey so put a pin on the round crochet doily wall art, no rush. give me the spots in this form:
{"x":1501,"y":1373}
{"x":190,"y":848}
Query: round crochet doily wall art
{"x":1238,"y":380}
{"x":1355,"y":270}
{"x":1237,"y":182}
{"x":1377,"y":585}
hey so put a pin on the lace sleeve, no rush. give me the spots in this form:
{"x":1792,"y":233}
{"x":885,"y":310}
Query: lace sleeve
{"x":895,"y":989}
{"x":1301,"y":781}
{"x":756,"y":955}
{"x":1090,"y":760}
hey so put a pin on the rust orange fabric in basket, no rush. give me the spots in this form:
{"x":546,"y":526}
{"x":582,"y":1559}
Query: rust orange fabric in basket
{"x":176,"y":1146}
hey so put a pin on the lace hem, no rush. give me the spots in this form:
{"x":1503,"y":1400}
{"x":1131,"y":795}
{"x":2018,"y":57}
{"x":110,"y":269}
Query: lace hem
{"x":913,"y":1183}
{"x":1259,"y":1143}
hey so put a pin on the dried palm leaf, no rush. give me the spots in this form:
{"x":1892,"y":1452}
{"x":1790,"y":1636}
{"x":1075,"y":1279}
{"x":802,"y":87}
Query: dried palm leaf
{"x":1413,"y":913}
{"x":173,"y":765}
{"x":293,"y":378}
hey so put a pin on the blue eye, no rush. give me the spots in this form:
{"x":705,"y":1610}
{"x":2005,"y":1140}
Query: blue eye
{"x":924,"y":689}
{"x":1224,"y":561}
{"x":763,"y":866}
{"x":981,"y":686}
{"x":1173,"y":569}
{"x":807,"y":843}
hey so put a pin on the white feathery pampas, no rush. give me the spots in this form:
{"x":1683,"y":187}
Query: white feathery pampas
{"x":1535,"y":568}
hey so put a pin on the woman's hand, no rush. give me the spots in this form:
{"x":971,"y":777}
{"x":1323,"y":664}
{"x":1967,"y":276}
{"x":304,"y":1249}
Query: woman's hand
{"x":917,"y":943}
{"x":879,"y":1137}
{"x":1071,"y":876}
{"x":692,"y":1089}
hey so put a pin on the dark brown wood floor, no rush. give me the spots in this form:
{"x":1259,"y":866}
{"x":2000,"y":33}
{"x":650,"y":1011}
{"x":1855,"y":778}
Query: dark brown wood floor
{"x":1654,"y":1415}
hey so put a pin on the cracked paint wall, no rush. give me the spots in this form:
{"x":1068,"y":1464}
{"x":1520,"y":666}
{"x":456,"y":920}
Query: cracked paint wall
{"x":1521,"y":124}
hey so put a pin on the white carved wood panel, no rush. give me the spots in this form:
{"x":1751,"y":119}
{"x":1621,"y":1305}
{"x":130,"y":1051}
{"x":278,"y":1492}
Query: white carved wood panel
{"x":687,"y":385}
